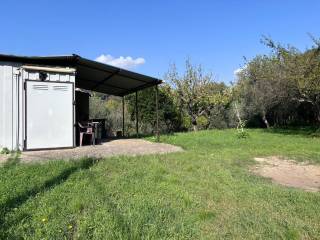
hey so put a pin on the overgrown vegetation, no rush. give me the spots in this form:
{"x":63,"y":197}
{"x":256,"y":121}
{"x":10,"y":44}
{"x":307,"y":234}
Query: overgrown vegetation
{"x":279,"y":89}
{"x":205,"y":192}
{"x":282,"y":88}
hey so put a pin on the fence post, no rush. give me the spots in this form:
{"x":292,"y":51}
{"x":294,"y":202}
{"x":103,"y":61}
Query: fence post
{"x":123,"y":134}
{"x":157,"y":114}
{"x":136,"y":108}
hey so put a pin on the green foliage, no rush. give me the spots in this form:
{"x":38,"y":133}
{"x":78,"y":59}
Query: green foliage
{"x":5,"y":151}
{"x":282,"y":87}
{"x":206,"y":191}
{"x":97,"y":106}
{"x":202,"y":122}
{"x":186,"y":122}
{"x":196,"y":92}
{"x":113,"y":106}
{"x":170,"y":118}
{"x":242,"y":134}
{"x":316,"y":133}
{"x":110,"y":108}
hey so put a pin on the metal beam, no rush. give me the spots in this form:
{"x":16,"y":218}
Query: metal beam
{"x":106,"y":84}
{"x":136,"y":111}
{"x":157,"y":114}
{"x":123,"y":117}
{"x":106,"y":79}
{"x":147,"y":85}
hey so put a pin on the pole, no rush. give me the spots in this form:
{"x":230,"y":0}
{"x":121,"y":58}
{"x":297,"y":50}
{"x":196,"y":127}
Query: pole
{"x":157,"y":113}
{"x":136,"y":108}
{"x":123,"y":117}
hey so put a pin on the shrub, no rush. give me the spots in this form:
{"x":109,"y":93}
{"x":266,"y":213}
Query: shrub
{"x":5,"y":151}
{"x":242,"y":134}
{"x":186,"y":122}
{"x":202,"y":122}
{"x":316,"y":134}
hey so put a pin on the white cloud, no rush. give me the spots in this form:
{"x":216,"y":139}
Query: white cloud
{"x":239,"y":70}
{"x":122,"y":62}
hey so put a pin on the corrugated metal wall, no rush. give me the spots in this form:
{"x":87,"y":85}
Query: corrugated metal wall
{"x":12,"y":119}
{"x":9,"y":88}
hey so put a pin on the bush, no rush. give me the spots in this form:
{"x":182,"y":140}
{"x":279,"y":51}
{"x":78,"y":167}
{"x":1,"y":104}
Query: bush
{"x":186,"y":122}
{"x":5,"y":151}
{"x":316,"y":134}
{"x":202,"y":122}
{"x":242,"y":134}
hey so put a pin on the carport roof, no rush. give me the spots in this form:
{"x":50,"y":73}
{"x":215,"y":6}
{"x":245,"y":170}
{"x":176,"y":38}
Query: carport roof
{"x":92,"y":75}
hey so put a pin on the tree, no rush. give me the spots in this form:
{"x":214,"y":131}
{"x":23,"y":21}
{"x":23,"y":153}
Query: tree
{"x":169,"y":115}
{"x":97,"y":106}
{"x":283,"y":87}
{"x":302,"y":70}
{"x":195,"y":91}
{"x":261,"y":86}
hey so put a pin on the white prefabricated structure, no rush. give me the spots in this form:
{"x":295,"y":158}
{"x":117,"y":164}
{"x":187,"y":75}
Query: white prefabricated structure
{"x":37,"y":97}
{"x":36,"y":114}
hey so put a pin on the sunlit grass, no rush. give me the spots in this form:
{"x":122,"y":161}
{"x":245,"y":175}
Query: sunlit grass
{"x":204,"y":192}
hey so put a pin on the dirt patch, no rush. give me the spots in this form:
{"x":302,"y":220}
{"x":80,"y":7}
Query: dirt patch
{"x":128,"y":147}
{"x":3,"y":158}
{"x":289,"y":173}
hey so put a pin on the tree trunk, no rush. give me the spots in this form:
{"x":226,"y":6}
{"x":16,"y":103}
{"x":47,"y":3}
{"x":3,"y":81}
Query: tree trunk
{"x":195,"y":128}
{"x":317,"y":108}
{"x":194,"y":123}
{"x":265,"y":120}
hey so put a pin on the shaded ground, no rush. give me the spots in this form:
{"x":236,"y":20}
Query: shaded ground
{"x":289,"y":173}
{"x":130,"y":147}
{"x":3,"y":158}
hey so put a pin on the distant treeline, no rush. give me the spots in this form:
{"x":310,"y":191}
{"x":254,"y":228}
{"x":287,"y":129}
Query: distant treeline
{"x":279,"y":89}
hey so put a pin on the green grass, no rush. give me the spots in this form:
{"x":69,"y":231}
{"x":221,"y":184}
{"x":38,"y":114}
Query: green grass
{"x":205,"y":192}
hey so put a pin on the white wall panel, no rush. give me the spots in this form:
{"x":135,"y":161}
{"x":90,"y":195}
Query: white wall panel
{"x":9,"y":109}
{"x":49,"y":115}
{"x":12,"y":102}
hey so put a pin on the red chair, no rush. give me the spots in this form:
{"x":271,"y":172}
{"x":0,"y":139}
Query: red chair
{"x":87,"y":130}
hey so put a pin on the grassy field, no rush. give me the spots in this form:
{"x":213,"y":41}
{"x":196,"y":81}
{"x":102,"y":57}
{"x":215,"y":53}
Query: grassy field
{"x":205,"y":192}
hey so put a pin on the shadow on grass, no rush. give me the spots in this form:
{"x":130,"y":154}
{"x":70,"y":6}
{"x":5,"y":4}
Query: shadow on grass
{"x":15,"y":202}
{"x":14,"y":159}
{"x":302,"y":131}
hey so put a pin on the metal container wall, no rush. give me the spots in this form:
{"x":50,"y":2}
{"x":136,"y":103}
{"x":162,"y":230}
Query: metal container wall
{"x":12,"y":101}
{"x":10,"y":105}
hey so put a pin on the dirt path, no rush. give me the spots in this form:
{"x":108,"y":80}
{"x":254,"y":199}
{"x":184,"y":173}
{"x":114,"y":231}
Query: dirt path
{"x":3,"y":158}
{"x":289,"y":173}
{"x":130,"y":147}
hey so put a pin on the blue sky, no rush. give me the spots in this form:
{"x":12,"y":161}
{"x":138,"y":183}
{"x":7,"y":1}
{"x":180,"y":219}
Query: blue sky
{"x":216,"y":34}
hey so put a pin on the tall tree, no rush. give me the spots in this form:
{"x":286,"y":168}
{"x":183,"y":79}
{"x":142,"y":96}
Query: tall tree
{"x":261,"y":85}
{"x":194,"y":91}
{"x":302,"y":70}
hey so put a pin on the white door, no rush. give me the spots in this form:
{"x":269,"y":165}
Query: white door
{"x":49,"y":115}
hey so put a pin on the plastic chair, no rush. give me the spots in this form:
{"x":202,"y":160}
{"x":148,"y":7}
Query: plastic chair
{"x":87,"y":130}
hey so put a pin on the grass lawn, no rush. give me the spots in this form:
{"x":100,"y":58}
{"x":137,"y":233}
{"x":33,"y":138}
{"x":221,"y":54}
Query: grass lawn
{"x":205,"y":192}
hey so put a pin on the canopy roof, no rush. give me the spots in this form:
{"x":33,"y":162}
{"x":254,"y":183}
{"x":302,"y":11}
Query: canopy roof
{"x":92,"y":75}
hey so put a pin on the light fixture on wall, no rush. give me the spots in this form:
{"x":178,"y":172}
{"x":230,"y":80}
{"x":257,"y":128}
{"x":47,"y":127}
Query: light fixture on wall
{"x":43,"y":76}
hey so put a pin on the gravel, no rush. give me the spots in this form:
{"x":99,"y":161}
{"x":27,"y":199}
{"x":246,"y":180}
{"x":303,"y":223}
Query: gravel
{"x":128,"y":147}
